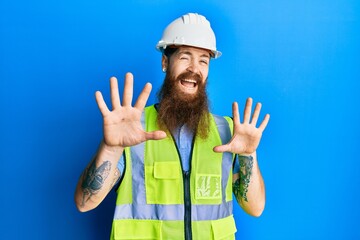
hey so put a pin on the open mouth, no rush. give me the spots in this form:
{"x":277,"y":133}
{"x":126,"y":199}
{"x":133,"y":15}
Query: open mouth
{"x":188,"y":83}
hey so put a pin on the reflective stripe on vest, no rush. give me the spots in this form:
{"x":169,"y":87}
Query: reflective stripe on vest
{"x":151,"y":195}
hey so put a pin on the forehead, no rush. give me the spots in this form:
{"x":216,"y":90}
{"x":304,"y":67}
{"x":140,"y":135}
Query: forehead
{"x":193,"y":51}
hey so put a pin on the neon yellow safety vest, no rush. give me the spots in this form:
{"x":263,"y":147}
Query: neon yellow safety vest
{"x":157,"y":200}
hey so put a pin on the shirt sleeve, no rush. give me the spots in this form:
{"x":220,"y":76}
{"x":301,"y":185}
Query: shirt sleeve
{"x":121,"y":164}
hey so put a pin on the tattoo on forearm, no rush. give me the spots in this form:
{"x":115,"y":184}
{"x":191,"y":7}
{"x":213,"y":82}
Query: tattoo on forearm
{"x":93,"y":179}
{"x":241,"y":185}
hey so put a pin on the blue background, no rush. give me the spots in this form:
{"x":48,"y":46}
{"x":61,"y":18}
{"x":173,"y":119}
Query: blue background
{"x":299,"y":58}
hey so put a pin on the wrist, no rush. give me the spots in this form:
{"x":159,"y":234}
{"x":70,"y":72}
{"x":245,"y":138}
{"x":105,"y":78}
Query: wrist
{"x":111,"y":149}
{"x":245,"y":154}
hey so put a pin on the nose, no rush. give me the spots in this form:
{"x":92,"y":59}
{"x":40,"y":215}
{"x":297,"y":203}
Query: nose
{"x":193,"y":67}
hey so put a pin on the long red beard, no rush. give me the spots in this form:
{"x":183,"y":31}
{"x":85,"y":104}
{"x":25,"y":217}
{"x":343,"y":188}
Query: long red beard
{"x":177,"y":108}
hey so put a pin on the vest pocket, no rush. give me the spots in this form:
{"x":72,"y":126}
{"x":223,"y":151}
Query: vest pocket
{"x":137,"y":229}
{"x":208,"y":186}
{"x":224,"y":229}
{"x":163,"y":183}
{"x":166,"y":170}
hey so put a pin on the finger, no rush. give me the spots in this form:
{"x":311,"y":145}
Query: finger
{"x":222,"y":148}
{"x":114,"y":93}
{"x":264,"y":122}
{"x":143,"y":97}
{"x":155,"y":135}
{"x":128,"y":89}
{"x":101,"y":103}
{"x":247,"y":110}
{"x":235,"y":109}
{"x":256,"y":113}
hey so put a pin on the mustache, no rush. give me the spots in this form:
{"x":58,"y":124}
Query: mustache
{"x":189,"y":75}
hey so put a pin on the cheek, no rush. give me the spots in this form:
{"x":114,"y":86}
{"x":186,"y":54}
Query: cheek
{"x":175,"y":72}
{"x":204,"y":74}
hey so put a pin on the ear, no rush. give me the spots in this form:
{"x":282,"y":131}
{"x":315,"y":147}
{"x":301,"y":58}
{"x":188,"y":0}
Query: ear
{"x":164,"y":62}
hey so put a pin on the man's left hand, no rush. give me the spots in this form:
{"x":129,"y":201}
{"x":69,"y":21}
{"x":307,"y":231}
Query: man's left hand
{"x":246,"y":137}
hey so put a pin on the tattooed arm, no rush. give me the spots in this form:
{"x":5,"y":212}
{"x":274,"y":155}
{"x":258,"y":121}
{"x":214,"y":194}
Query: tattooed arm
{"x":122,"y":128}
{"x":248,"y":185}
{"x":98,"y":178}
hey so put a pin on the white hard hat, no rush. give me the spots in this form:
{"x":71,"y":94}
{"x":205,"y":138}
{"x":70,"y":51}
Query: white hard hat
{"x":192,"y":30}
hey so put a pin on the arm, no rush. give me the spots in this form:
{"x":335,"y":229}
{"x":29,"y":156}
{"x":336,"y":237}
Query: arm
{"x":122,"y":128}
{"x":98,"y":178}
{"x":248,"y":184}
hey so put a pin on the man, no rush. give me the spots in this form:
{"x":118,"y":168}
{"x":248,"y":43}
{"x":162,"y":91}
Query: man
{"x":177,"y":164}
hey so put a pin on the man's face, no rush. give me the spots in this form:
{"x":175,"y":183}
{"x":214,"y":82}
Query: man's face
{"x":189,"y":67}
{"x":183,"y":97}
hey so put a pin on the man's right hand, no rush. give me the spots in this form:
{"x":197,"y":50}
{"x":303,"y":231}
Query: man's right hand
{"x":122,"y":126}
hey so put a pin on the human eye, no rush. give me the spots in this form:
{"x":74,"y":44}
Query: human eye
{"x":184,"y":57}
{"x":204,"y":61}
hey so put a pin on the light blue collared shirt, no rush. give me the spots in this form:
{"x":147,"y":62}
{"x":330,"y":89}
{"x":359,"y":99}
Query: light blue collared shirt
{"x":184,"y":138}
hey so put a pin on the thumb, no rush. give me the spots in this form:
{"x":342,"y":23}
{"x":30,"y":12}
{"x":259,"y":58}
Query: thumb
{"x":222,"y":148}
{"x":155,"y":135}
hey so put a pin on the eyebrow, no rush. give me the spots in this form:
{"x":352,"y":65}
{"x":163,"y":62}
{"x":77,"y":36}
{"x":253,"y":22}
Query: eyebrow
{"x":189,"y":53}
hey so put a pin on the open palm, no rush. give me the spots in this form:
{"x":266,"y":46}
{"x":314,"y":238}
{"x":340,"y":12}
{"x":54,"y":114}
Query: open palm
{"x":122,"y":126}
{"x":247,"y":136}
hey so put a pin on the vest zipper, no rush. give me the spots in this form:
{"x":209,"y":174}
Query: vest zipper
{"x":187,"y":196}
{"x":187,"y":205}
